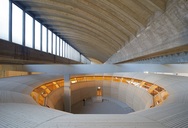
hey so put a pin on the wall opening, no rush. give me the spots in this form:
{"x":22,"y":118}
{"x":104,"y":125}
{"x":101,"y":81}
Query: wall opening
{"x":99,"y":91}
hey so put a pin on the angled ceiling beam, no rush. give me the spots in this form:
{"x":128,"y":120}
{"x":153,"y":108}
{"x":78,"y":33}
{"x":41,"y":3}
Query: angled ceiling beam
{"x":103,"y":27}
{"x":56,"y":22}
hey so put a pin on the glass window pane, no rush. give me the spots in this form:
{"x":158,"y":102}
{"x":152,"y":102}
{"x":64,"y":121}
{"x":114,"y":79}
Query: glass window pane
{"x":54,"y":44}
{"x":44,"y":38}
{"x":28,"y":31}
{"x":58,"y":46}
{"x":65,"y":48}
{"x":4,"y":14}
{"x":70,"y":52}
{"x":61,"y":47}
{"x":37,"y":35}
{"x":68,"y":48}
{"x":49,"y":41}
{"x":17,"y":22}
{"x":77,"y":55}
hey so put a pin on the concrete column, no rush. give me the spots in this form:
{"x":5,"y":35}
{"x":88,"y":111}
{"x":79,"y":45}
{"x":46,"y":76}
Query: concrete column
{"x":67,"y":94}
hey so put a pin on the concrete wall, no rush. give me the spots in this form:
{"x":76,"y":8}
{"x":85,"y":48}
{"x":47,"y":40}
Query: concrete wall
{"x":55,"y":99}
{"x":12,"y":53}
{"x":165,"y":31}
{"x":80,"y":91}
{"x":134,"y":97}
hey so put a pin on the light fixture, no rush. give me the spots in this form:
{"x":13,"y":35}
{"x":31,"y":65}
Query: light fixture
{"x":73,"y":81}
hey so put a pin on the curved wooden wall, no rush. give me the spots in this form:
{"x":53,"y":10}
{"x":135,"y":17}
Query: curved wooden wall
{"x":138,"y":94}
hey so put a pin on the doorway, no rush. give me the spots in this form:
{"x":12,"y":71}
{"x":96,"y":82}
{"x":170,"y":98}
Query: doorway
{"x":99,"y":91}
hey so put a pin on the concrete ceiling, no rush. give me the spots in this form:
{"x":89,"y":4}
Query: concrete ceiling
{"x":96,"y":28}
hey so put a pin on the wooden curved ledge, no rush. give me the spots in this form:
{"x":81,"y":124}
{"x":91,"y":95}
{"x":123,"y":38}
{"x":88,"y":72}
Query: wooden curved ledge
{"x":158,"y":94}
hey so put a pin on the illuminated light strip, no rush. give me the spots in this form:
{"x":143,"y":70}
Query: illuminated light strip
{"x":40,"y":93}
{"x":159,"y":94}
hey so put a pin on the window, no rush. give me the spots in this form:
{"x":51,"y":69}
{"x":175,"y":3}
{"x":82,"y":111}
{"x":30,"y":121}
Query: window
{"x":17,"y":24}
{"x":54,"y":44}
{"x":49,"y":41}
{"x":75,"y":55}
{"x":85,"y":60}
{"x":65,"y":50}
{"x":58,"y":46}
{"x":4,"y":24}
{"x":28,"y":31}
{"x":37,"y":35}
{"x":44,"y":39}
{"x":68,"y":51}
{"x":61,"y":47}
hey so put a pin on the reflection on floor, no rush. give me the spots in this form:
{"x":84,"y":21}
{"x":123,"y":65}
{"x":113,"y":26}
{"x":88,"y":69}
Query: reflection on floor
{"x":101,"y":105}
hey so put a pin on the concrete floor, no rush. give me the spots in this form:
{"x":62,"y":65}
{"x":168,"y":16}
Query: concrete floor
{"x":96,"y":105}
